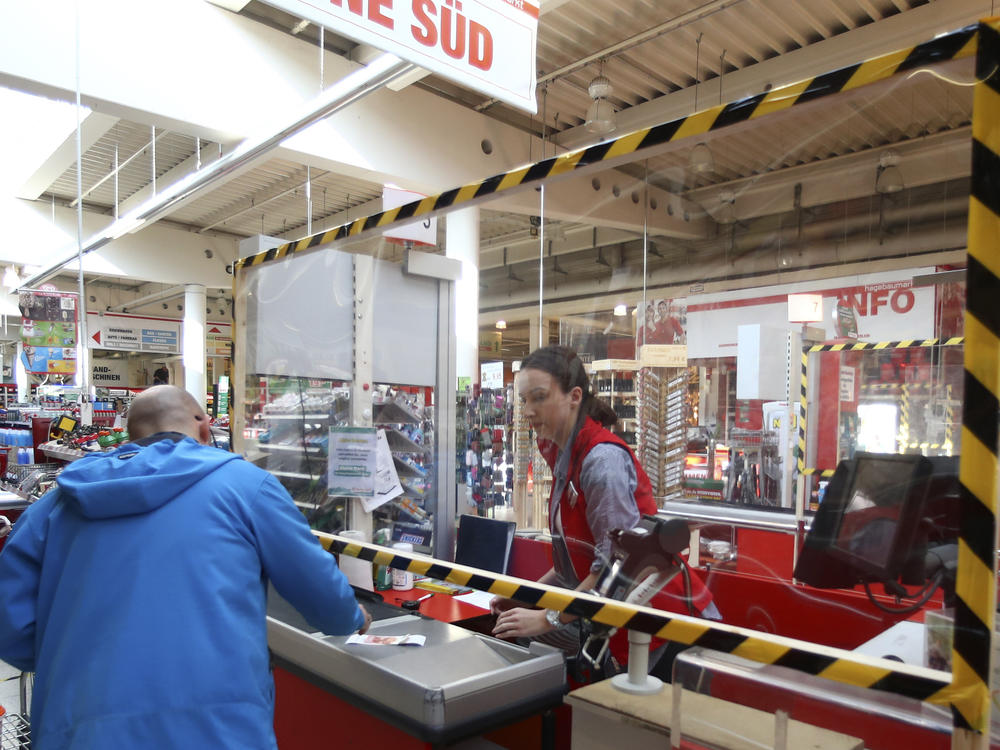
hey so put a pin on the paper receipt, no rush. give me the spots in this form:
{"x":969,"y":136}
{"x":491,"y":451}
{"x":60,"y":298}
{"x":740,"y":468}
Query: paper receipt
{"x":387,"y":640}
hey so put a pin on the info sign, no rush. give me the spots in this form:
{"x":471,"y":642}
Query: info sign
{"x":485,"y":45}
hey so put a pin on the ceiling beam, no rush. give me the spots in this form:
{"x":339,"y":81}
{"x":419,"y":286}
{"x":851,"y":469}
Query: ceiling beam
{"x":615,"y":200}
{"x":895,"y":32}
{"x":92,"y":127}
{"x":187,"y":87}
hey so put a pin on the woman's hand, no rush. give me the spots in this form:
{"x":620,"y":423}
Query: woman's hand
{"x":499,"y":604}
{"x":521,"y":623}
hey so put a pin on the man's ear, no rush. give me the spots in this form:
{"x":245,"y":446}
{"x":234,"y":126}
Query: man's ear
{"x":205,"y":430}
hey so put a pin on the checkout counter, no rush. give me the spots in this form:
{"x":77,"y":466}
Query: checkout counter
{"x":459,"y":685}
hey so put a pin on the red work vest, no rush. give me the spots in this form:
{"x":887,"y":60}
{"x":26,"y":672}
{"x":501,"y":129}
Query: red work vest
{"x":580,"y":539}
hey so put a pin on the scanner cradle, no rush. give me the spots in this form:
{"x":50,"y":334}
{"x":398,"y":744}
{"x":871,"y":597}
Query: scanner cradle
{"x":642,"y":561}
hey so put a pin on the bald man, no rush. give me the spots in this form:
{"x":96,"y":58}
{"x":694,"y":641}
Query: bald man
{"x":136,"y":590}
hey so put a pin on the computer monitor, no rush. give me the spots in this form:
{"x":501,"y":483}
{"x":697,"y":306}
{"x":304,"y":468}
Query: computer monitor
{"x":880,"y":514}
{"x":875,"y":520}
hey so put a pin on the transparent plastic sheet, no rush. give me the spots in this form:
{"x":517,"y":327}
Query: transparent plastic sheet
{"x":858,"y":202}
{"x":341,"y":350}
{"x":671,"y":277}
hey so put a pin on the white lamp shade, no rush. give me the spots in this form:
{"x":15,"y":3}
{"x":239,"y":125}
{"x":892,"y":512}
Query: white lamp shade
{"x":601,"y":117}
{"x":702,"y":159}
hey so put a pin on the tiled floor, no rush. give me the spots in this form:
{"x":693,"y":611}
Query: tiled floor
{"x":10,"y":691}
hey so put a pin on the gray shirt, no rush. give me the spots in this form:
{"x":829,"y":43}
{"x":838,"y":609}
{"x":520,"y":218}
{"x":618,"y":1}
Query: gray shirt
{"x":608,"y":481}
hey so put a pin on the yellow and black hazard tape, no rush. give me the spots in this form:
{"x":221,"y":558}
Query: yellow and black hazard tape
{"x":960,"y":43}
{"x":976,"y":583}
{"x":825,"y":473}
{"x":848,"y":346}
{"x":903,"y":435}
{"x":803,"y":407}
{"x":949,"y":420}
{"x":925,"y":446}
{"x":860,"y":346}
{"x":822,"y":661}
{"x":917,"y":386}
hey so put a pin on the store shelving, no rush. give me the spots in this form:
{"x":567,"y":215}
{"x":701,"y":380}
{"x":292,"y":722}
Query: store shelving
{"x":615,"y":381}
{"x":409,"y":433}
{"x":54,"y":449}
{"x":288,"y":426}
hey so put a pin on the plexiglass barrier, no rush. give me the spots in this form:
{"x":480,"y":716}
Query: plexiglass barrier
{"x":770,"y":295}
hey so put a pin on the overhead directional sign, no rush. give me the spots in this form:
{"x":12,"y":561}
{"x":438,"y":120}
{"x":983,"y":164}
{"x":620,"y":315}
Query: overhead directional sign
{"x":133,"y":333}
{"x":485,"y":45}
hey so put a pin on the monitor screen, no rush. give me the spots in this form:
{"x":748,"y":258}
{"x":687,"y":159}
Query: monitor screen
{"x":870,"y":523}
{"x":866,"y":528}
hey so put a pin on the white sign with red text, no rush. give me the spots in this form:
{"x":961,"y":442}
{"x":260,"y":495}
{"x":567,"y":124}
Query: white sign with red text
{"x":485,"y":45}
{"x":887,"y":307}
{"x":423,"y":232}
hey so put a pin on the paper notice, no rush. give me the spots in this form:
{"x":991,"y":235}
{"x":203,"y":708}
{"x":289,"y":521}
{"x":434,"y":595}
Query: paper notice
{"x":387,"y":484}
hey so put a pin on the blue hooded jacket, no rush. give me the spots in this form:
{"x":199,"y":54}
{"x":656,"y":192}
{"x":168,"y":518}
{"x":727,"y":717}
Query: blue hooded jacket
{"x":136,"y":591}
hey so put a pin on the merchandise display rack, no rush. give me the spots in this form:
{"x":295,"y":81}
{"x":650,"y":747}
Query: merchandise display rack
{"x":290,"y":421}
{"x":489,"y":472}
{"x":662,"y":443}
{"x":410,"y":436}
{"x":754,"y":473}
{"x":532,"y":476}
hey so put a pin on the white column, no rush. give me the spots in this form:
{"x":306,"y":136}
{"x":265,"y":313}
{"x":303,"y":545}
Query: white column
{"x":462,"y":244}
{"x":193,"y":341}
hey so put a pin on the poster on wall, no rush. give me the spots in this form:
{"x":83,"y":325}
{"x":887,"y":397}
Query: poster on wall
{"x":48,"y":331}
{"x":664,"y":321}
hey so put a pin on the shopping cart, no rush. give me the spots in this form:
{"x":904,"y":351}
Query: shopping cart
{"x":15,"y":729}
{"x":30,"y":480}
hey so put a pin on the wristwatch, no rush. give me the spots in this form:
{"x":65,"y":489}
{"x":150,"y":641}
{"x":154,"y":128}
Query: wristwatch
{"x":554,"y":618}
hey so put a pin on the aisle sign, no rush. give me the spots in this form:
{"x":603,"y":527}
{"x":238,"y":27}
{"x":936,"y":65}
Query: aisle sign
{"x":133,"y":333}
{"x":109,"y":372}
{"x":159,"y":339}
{"x":218,"y":339}
{"x":484,"y":45}
{"x":490,"y":343}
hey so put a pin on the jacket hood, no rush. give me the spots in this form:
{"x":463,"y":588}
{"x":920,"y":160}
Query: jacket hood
{"x":135,"y":479}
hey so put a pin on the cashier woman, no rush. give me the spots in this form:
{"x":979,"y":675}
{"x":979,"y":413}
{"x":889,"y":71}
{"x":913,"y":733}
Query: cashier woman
{"x":597,"y":485}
